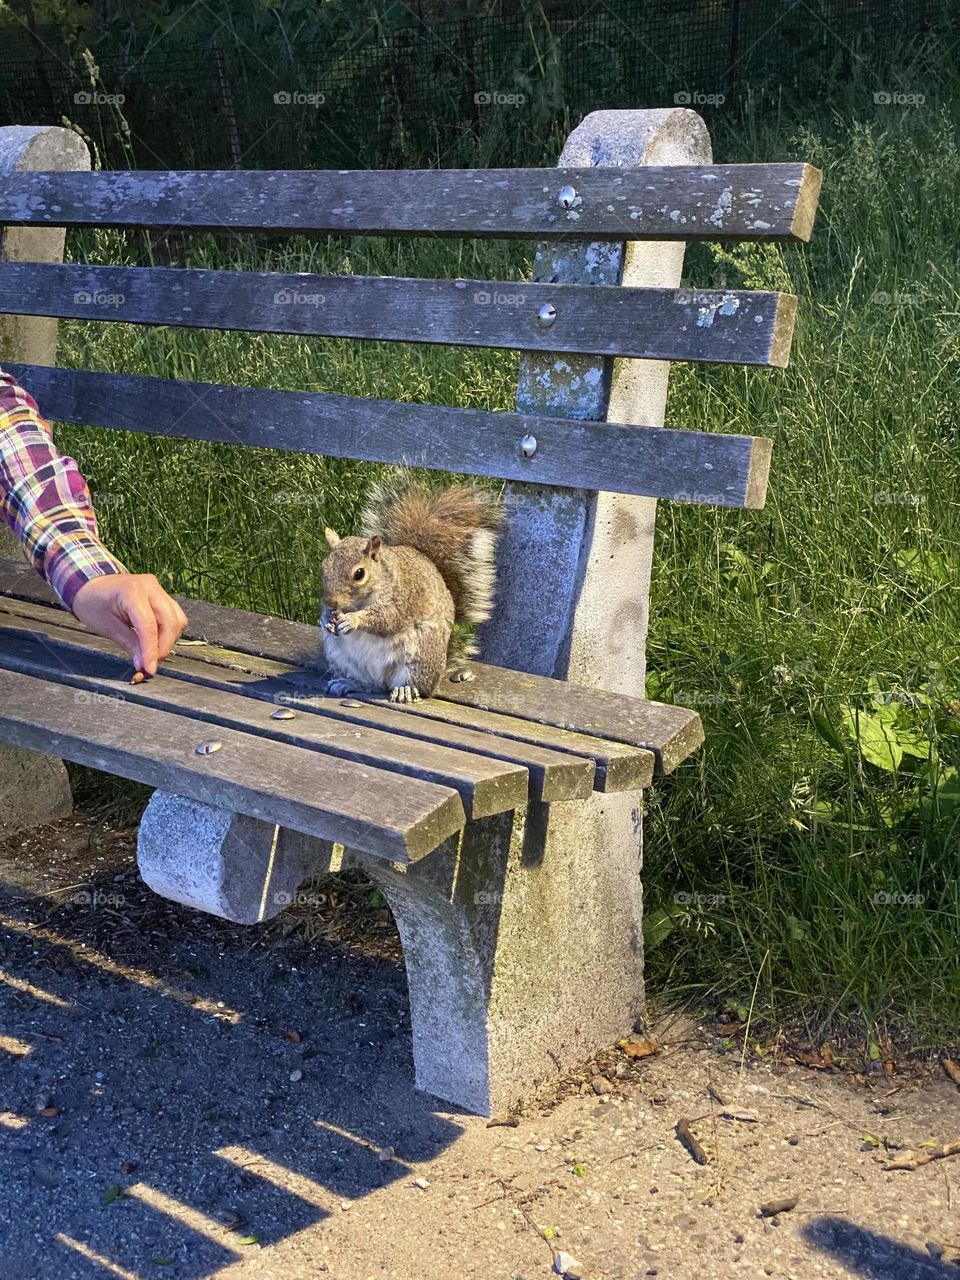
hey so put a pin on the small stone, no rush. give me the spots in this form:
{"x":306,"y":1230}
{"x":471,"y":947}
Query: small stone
{"x":296,"y":1075}
{"x":566,"y":1265}
{"x":601,"y":1085}
{"x":385,"y":1153}
{"x":344,"y":1206}
{"x":422,"y":1183}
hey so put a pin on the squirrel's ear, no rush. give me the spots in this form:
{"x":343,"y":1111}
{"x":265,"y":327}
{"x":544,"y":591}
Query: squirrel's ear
{"x":331,"y":538}
{"x":372,"y":549}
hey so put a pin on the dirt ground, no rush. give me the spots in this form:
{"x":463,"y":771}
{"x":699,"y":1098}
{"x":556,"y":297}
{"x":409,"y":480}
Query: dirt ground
{"x":183,"y":1098}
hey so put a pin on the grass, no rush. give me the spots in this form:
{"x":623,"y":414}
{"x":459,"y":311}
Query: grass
{"x":813,"y":843}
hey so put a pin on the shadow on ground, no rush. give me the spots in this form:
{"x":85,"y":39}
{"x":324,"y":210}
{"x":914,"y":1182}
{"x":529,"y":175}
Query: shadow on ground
{"x":170,"y":1100}
{"x":873,"y":1255}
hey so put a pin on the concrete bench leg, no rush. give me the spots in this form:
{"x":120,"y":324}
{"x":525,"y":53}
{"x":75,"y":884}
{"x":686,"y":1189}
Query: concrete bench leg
{"x":521,"y":939}
{"x":229,"y":865}
{"x":34,"y":790}
{"x":523,"y":949}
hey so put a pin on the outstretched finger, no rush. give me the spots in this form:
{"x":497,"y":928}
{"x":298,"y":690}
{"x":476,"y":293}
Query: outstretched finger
{"x":143,"y":620}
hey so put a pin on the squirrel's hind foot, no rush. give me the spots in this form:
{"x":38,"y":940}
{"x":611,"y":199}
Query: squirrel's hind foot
{"x":405,"y":693}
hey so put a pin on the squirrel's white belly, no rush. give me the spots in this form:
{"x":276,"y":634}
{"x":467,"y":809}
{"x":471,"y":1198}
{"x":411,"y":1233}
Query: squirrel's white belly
{"x":370,"y":658}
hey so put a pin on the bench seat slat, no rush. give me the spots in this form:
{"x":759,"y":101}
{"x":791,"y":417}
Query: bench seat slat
{"x":393,"y":817}
{"x":483,"y":767}
{"x":656,"y":462}
{"x":278,"y":655}
{"x":720,"y":326}
{"x":703,"y":202}
{"x":485,"y":786}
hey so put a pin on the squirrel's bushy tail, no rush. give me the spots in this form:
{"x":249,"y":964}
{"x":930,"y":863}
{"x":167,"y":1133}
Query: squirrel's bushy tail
{"x":455,"y":527}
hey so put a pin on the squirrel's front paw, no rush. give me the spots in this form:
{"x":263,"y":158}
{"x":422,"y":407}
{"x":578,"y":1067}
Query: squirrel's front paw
{"x":405,"y":693}
{"x":344,"y":623}
{"x":338,"y":687}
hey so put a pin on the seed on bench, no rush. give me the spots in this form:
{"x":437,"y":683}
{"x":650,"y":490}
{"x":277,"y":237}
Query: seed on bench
{"x":528,"y":446}
{"x":350,"y":702}
{"x":283,"y":713}
{"x":208,"y":748}
{"x":546,"y":315}
{"x":567,"y":196}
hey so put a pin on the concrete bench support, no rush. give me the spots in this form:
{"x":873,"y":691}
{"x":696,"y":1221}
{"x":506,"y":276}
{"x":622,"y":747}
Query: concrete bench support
{"x":522,"y":938}
{"x":34,"y":788}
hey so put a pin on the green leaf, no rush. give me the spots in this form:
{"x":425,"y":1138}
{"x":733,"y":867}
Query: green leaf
{"x":924,"y":567}
{"x":827,"y":732}
{"x":657,"y":925}
{"x":253,"y":1238}
{"x":111,"y":1194}
{"x":878,"y":744}
{"x":944,"y":799}
{"x":579,"y":1170}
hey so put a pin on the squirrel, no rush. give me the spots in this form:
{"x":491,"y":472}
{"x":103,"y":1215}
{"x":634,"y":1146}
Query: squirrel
{"x":391,"y":597}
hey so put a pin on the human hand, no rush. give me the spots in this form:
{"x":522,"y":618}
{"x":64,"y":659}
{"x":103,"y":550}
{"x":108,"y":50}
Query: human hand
{"x":134,"y":611}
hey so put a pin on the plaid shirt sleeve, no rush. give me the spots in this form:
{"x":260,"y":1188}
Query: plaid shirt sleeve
{"x":44,"y":498}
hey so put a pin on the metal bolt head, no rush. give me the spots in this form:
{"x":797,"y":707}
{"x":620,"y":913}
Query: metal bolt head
{"x":528,"y":446}
{"x":208,"y":748}
{"x":566,"y":197}
{"x":283,"y":713}
{"x":546,"y":315}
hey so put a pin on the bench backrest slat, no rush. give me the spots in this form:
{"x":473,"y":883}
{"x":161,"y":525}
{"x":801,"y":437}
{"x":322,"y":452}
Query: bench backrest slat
{"x":692,"y":202}
{"x":730,"y":326}
{"x":692,"y":466}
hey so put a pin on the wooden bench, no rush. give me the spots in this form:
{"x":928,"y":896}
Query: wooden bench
{"x":502,"y":818}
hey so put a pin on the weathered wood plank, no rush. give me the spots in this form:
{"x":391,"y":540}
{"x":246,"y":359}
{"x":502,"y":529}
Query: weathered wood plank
{"x":396,"y":818}
{"x":724,"y":326}
{"x":703,"y":202}
{"x":690,"y":466}
{"x":669,"y":733}
{"x":389,"y":731}
{"x":485,"y":786}
{"x":619,"y":767}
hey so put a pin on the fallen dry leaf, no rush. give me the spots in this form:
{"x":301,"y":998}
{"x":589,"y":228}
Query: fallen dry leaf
{"x":50,"y":1112}
{"x":812,"y":1060}
{"x":294,"y":1037}
{"x":953,"y":1070}
{"x":639,"y":1046}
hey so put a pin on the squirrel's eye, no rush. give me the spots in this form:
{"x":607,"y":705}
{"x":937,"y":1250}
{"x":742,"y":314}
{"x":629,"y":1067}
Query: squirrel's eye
{"x":359,"y":575}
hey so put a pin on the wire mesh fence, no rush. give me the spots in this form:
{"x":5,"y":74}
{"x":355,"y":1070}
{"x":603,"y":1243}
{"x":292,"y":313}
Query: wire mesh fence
{"x":497,"y":90}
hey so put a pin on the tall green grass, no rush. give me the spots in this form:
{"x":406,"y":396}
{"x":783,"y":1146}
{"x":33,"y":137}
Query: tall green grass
{"x":814,"y":840}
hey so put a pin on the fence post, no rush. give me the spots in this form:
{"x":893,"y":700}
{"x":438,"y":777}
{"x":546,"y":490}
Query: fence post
{"x":733,"y":48}
{"x":34,"y":788}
